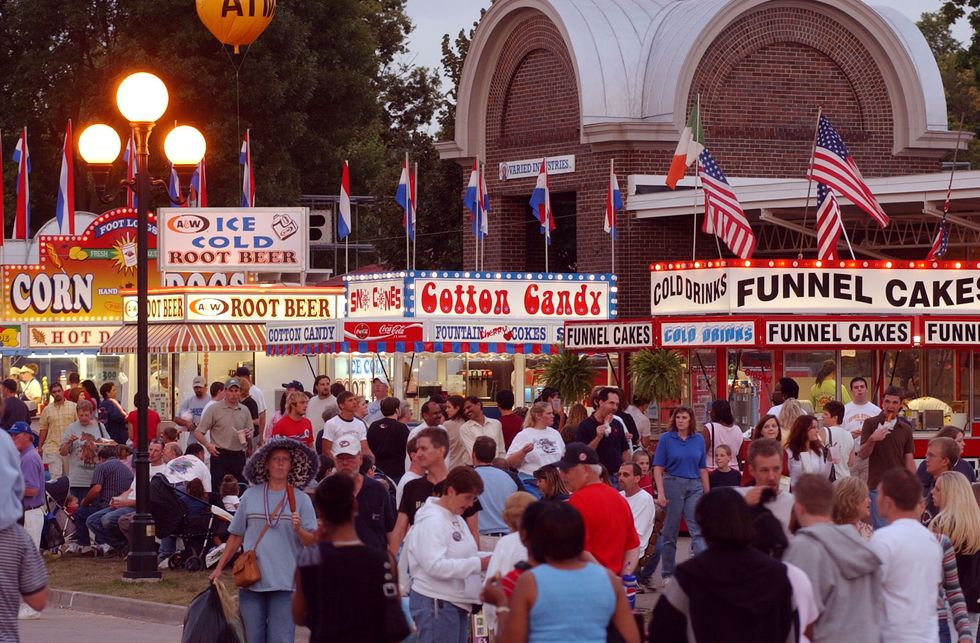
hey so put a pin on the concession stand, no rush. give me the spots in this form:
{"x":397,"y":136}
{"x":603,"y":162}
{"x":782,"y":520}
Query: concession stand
{"x":741,"y":325}
{"x":454,"y":332}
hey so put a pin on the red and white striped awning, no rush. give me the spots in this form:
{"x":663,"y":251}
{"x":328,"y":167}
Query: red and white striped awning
{"x":190,"y":338}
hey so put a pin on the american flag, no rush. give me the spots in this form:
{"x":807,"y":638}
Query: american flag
{"x":829,"y":225}
{"x":834,"y":166}
{"x":940,"y":244}
{"x":723,"y":215}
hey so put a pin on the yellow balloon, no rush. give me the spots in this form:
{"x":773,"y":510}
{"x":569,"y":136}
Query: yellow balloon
{"x":236,"y":22}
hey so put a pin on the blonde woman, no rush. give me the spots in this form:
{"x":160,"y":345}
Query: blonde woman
{"x":787,"y":417}
{"x":537,"y":445}
{"x":959,"y":521}
{"x":852,"y":505}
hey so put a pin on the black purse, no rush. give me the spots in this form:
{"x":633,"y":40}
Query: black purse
{"x":395,"y":624}
{"x":51,"y":536}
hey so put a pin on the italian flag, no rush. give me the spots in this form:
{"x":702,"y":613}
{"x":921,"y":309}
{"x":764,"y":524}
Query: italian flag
{"x":688,"y":148}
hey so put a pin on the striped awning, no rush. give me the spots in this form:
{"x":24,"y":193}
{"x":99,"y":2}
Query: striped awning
{"x":190,"y":338}
{"x":499,"y":348}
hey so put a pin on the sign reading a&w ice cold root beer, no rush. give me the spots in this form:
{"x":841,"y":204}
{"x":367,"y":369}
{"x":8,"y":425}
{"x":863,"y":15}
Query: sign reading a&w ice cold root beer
{"x":222,"y":239}
{"x":814,"y":287}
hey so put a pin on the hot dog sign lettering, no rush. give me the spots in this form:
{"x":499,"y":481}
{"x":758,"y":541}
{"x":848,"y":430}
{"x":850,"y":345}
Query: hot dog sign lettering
{"x":221,"y":239}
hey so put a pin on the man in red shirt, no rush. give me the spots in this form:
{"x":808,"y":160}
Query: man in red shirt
{"x":610,"y":533}
{"x":152,"y":424}
{"x":510,"y":423}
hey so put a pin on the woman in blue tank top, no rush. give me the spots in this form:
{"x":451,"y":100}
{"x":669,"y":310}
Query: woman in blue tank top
{"x":563,"y":598}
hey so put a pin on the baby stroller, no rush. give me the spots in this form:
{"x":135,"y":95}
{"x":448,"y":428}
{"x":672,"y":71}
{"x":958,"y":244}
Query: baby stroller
{"x":179,"y":514}
{"x":55,"y":509}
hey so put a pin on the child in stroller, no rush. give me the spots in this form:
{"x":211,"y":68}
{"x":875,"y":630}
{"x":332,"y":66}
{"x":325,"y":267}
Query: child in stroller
{"x":180,"y":513}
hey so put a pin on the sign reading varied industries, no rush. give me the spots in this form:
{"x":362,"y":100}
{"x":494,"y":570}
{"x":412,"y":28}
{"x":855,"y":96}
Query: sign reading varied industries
{"x":531,"y":167}
{"x":238,"y":305}
{"x":482,"y":296}
{"x":864,"y":287}
{"x":223,"y":239}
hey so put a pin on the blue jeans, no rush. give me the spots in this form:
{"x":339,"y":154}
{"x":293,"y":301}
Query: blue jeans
{"x":876,"y":520}
{"x":437,"y":621}
{"x":105,"y":525}
{"x":267,"y":616}
{"x":682,"y":496}
{"x":168,"y":546}
{"x":651,"y":565}
{"x":81,"y":523}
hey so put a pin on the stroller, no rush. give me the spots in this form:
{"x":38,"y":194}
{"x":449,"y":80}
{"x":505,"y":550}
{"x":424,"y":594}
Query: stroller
{"x":56,"y":494}
{"x":179,"y":514}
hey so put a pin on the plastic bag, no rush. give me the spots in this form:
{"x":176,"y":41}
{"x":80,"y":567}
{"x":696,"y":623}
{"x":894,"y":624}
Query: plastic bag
{"x":213,"y":617}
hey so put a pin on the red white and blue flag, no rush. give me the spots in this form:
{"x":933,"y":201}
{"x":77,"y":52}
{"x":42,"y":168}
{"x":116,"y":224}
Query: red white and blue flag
{"x":940,"y":244}
{"x":541,"y":202}
{"x":614,"y":202}
{"x":723,"y":214}
{"x":248,"y":178}
{"x":22,"y":157}
{"x":132,"y":167}
{"x":477,"y":201}
{"x":829,"y":224}
{"x":173,"y":189}
{"x":834,"y":166}
{"x":65,"y":211}
{"x":343,"y":218}
{"x":405,"y":197}
{"x":199,"y":186}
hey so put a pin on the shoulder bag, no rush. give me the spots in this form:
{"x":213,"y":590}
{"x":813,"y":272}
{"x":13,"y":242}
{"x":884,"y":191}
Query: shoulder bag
{"x":246,"y":568}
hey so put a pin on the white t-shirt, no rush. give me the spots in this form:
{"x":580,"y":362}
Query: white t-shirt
{"x":549,"y":447}
{"x":911,"y":572}
{"x":808,"y":462}
{"x":256,"y":394}
{"x":844,"y":441}
{"x":316,"y":407}
{"x":187,"y":468}
{"x":855,"y":414}
{"x":338,"y":426}
{"x":641,"y":419}
{"x":153,"y":471}
{"x":644,"y":512}
{"x":803,"y":597}
{"x":729,"y":435}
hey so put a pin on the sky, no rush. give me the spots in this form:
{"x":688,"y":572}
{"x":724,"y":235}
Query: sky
{"x":433,"y":18}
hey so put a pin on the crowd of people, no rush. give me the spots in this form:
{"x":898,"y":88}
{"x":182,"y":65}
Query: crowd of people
{"x":363,"y":529}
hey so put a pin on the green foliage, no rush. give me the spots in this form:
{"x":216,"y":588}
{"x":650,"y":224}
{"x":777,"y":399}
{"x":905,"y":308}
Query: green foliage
{"x":657,"y":374}
{"x":570,"y":373}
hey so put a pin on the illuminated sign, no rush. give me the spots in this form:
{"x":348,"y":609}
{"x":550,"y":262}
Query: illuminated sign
{"x":734,"y":333}
{"x":79,"y":278}
{"x":388,"y":331}
{"x":68,"y":337}
{"x":223,"y":239}
{"x":288,"y":334}
{"x":540,"y":333}
{"x":949,"y":332}
{"x":220,"y":305}
{"x":847,"y":332}
{"x":875,"y":288}
{"x":10,"y":335}
{"x":378,"y":298}
{"x":608,"y":335}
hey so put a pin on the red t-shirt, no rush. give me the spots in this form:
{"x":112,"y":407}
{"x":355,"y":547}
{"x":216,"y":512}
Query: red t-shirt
{"x":511,"y":425}
{"x":300,"y":430}
{"x":152,"y":425}
{"x":609,"y":528}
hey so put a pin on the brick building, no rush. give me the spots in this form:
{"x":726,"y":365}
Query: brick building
{"x":609,"y":79}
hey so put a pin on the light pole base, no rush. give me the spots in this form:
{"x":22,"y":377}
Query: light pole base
{"x":141,"y":565}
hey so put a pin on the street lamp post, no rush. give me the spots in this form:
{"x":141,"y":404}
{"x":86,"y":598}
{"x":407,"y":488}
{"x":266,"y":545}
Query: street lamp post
{"x":142,"y":99}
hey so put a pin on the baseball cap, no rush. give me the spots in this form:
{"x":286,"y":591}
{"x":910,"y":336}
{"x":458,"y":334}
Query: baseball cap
{"x":200,"y":381}
{"x":23,"y":427}
{"x":348,"y":445}
{"x":577,"y":453}
{"x":232,"y":381}
{"x":295,"y":384}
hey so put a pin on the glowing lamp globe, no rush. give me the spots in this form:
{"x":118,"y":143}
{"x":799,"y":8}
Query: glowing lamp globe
{"x":184,"y":145}
{"x":99,"y":145}
{"x":142,"y":98}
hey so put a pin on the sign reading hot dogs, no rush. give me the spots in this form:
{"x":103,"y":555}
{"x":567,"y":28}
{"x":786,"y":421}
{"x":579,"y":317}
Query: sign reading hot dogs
{"x":814,"y":290}
{"x":221,"y":239}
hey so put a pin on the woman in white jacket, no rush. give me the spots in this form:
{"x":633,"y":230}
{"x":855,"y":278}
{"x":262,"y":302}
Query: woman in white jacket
{"x":444,"y":561}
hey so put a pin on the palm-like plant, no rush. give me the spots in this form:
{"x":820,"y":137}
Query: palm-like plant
{"x":570,"y":373}
{"x":657,"y":374}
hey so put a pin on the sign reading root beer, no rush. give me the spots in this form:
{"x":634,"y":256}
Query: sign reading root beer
{"x":238,"y":305}
{"x":229,"y":239}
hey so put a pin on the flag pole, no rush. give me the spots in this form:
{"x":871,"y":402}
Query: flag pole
{"x":697,"y":169}
{"x":483,"y":214}
{"x":840,"y":216}
{"x":415,"y":218}
{"x":408,"y":210}
{"x":809,"y":187}
{"x":612,"y":227}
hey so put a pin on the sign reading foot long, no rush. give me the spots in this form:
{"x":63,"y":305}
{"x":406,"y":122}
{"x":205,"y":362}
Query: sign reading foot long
{"x":219,"y":239}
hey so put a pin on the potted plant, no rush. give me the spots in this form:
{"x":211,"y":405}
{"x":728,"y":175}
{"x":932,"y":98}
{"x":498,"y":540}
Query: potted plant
{"x":571,"y":374}
{"x":657,"y":375}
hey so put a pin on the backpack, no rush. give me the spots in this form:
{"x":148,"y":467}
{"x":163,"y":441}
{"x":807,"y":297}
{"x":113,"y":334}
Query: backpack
{"x":968,"y":567}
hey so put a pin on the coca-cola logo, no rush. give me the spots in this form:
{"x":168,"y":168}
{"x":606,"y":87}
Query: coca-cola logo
{"x":361,"y":331}
{"x":389,"y":330}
